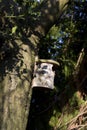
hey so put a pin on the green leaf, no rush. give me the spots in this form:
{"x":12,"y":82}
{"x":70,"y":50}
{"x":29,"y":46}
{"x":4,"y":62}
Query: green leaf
{"x":14,"y":29}
{"x":66,"y":70}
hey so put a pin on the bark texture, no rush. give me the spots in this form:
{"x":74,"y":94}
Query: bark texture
{"x":16,"y":73}
{"x":16,"y":69}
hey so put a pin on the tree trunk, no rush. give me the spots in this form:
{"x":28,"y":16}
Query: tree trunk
{"x":16,"y":69}
{"x":16,"y":73}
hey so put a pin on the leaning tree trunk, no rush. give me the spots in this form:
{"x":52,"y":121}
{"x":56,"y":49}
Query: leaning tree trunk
{"x":16,"y":69}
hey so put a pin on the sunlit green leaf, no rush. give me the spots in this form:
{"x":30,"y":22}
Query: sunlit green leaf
{"x":14,"y":29}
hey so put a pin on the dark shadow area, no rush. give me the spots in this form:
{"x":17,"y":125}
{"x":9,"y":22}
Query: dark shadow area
{"x":41,"y":109}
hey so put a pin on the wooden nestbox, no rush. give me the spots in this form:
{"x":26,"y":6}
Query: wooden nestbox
{"x":44,"y":73}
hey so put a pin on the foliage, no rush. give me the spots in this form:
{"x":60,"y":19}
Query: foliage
{"x":66,"y":39}
{"x":15,"y":17}
{"x":63,"y":43}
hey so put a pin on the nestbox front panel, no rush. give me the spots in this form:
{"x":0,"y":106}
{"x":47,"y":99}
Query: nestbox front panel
{"x":43,"y":76}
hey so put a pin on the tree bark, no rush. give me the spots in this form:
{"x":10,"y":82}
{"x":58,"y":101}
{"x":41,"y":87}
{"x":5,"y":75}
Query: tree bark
{"x":16,"y":69}
{"x":16,"y":73}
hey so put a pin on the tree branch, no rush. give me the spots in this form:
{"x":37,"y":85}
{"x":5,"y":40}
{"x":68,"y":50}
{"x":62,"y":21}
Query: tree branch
{"x":50,"y":12}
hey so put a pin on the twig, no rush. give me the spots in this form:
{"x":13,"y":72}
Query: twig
{"x":84,"y":111}
{"x":75,"y":118}
{"x":76,"y":127}
{"x":80,"y":58}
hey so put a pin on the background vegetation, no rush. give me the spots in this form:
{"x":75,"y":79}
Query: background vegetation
{"x":64,"y":108}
